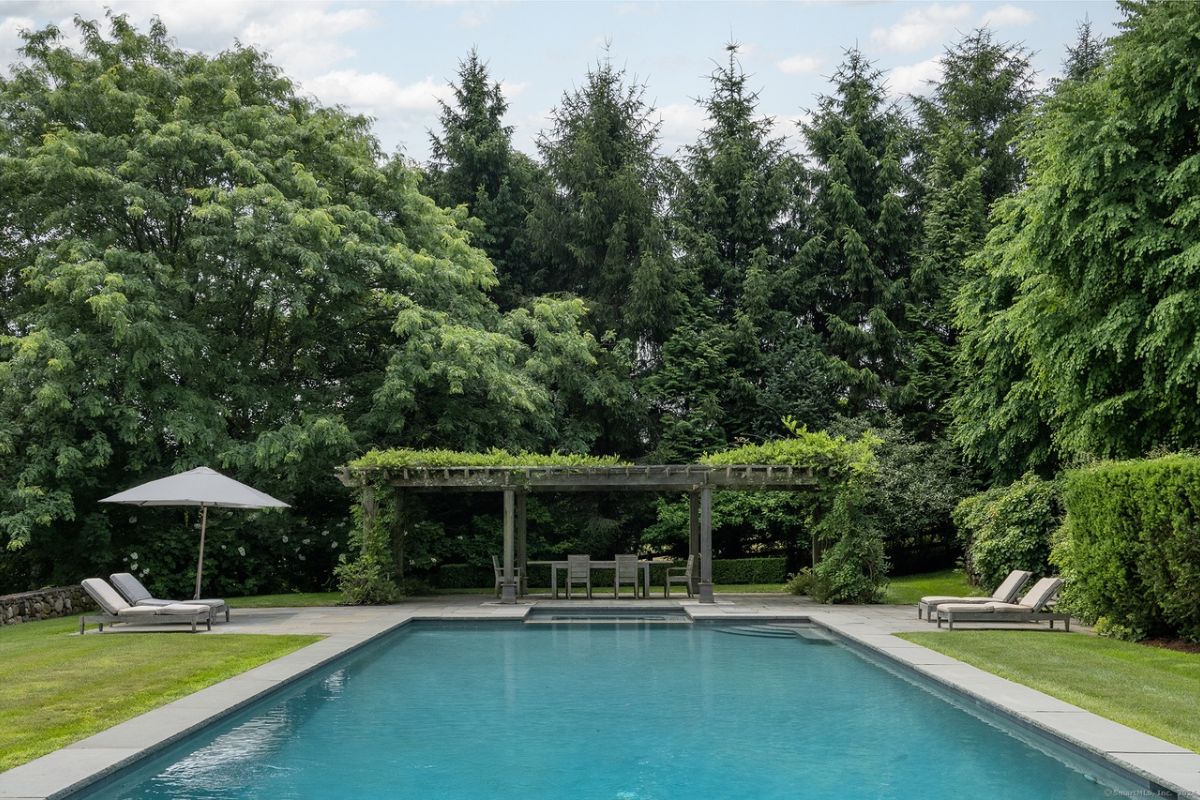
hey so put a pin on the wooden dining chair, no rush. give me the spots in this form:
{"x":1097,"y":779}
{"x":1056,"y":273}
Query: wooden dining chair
{"x":685,"y":578}
{"x":579,"y":570}
{"x":626,"y":572}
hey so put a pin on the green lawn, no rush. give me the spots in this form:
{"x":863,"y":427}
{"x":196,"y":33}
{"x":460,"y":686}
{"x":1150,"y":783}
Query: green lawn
{"x":59,"y":688}
{"x":908,"y":589}
{"x":1147,"y":688}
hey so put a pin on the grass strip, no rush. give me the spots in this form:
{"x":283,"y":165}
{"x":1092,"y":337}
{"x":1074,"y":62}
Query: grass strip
{"x":1151,"y":689}
{"x":59,"y":688}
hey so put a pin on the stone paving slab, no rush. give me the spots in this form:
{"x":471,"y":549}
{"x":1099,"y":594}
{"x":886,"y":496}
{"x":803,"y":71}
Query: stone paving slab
{"x":344,"y":629}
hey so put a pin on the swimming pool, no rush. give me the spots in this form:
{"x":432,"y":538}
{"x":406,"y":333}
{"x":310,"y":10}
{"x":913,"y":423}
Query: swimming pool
{"x":475,"y":710}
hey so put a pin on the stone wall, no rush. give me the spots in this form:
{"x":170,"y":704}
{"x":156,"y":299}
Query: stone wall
{"x":57,"y":601}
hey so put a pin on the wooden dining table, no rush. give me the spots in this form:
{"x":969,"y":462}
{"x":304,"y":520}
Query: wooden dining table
{"x":645,"y":564}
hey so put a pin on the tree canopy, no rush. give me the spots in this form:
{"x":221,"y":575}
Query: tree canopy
{"x":207,"y":268}
{"x":201,"y":265}
{"x":1089,"y":344}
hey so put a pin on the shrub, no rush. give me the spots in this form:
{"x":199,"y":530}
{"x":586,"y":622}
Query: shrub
{"x":1009,"y":528}
{"x":1130,"y":546}
{"x":913,"y":494}
{"x":802,"y":582}
{"x":365,"y":581}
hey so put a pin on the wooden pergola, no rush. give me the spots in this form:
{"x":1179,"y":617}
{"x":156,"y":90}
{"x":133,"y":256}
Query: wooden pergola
{"x":515,"y":482}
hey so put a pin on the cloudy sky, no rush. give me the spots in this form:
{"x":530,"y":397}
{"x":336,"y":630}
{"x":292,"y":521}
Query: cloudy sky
{"x":392,"y":60}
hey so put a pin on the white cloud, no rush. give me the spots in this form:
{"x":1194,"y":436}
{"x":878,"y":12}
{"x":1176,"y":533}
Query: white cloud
{"x":681,"y":124}
{"x":921,"y":27}
{"x":473,"y":18}
{"x":373,"y":92}
{"x":10,"y":39}
{"x":792,"y":129}
{"x":305,"y":40}
{"x":1006,"y":16}
{"x":799,"y":64}
{"x":914,"y":78}
{"x":511,"y":89}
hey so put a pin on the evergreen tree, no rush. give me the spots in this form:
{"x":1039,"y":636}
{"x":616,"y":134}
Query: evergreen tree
{"x":737,"y":196}
{"x":985,"y":89}
{"x":859,"y":254}
{"x":734,"y":217}
{"x":1086,"y":55}
{"x":969,"y":159}
{"x":474,"y":164}
{"x":953,"y":227}
{"x":597,"y":226}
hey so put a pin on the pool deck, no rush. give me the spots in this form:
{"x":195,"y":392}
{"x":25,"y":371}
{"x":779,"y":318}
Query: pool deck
{"x":1161,"y":764}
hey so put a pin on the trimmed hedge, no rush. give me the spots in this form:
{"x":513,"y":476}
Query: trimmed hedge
{"x":725,"y":570}
{"x":1130,"y":547}
{"x":749,"y":570}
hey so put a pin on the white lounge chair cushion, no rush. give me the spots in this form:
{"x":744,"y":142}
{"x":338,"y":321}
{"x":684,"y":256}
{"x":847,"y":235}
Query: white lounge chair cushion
{"x":935,"y":600}
{"x":1042,"y":593}
{"x":136,"y":611}
{"x":178,"y":608}
{"x":1010,"y":607}
{"x":973,"y":608}
{"x":1009,"y":586}
{"x":210,"y":602}
{"x":130,"y":587}
{"x":105,"y":596}
{"x":139,"y":595}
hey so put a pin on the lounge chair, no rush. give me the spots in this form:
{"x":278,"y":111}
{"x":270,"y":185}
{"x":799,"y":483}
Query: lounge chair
{"x":138,"y":595}
{"x":579,"y":570}
{"x":498,"y":571}
{"x":685,"y":577}
{"x":1006,"y":592}
{"x":1031,"y":608}
{"x":117,"y":610}
{"x":626,"y":572}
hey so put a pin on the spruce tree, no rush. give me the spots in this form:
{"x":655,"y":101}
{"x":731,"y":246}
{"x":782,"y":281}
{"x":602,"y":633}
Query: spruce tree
{"x":1086,"y":55}
{"x":968,"y":160}
{"x":734,"y":223}
{"x":473,"y":164}
{"x":596,"y":225}
{"x":985,"y":89}
{"x":859,"y":255}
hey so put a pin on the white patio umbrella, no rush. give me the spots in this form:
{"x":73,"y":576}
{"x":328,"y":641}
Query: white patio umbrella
{"x":201,"y":487}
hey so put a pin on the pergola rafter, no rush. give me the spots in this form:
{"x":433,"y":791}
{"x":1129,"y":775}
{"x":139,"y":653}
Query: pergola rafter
{"x":516,"y":481}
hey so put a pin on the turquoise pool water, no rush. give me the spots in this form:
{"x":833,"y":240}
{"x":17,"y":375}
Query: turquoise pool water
{"x":621,"y":711}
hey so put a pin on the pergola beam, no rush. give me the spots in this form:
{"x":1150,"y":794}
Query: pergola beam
{"x":662,"y":477}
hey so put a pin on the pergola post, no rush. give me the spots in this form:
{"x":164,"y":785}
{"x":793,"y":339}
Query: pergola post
{"x":694,"y":536}
{"x":367,"y":503}
{"x":399,"y":521}
{"x":522,"y":546}
{"x":706,"y":587}
{"x":508,"y":587}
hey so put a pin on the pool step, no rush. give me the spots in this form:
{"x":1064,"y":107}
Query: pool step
{"x":607,"y":619}
{"x":777,"y":632}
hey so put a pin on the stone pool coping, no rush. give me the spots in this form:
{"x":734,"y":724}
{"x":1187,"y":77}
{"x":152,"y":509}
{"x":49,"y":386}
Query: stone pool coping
{"x":57,"y":774}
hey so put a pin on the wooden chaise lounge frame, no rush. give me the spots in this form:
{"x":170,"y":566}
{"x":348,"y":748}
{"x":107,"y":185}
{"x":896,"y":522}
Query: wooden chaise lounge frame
{"x":106,"y":596}
{"x":1031,"y":608}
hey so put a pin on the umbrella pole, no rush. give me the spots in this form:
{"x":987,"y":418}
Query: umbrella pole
{"x":200,"y":561}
